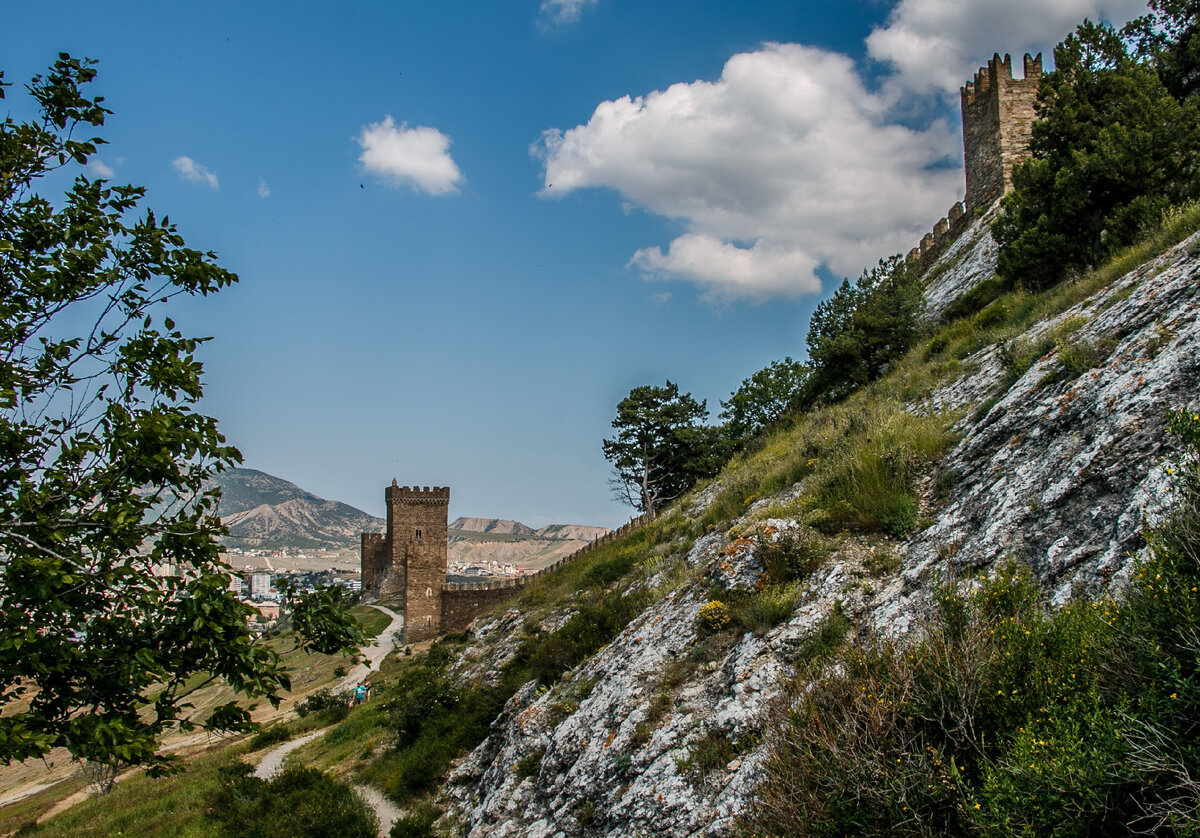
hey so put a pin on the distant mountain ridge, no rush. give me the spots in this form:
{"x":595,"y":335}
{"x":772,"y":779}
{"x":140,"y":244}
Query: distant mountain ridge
{"x":267,"y":512}
{"x":264,"y":511}
{"x":553,"y":532}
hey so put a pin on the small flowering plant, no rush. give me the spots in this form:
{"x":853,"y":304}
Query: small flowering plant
{"x":1184,"y":426}
{"x":712,"y":617}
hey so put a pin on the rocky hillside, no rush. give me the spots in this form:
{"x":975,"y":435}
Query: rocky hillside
{"x":1036,"y":430}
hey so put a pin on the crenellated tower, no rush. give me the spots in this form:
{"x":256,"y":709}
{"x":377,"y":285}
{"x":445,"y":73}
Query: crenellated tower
{"x":998,"y":112}
{"x":408,"y":561}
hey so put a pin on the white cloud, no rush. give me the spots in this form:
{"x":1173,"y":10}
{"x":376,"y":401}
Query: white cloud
{"x":756,"y":272}
{"x":264,"y":191}
{"x":564,"y":12}
{"x":99,"y":168}
{"x":189,"y":169}
{"x":785,"y":163}
{"x":936,"y":45}
{"x":418,"y":157}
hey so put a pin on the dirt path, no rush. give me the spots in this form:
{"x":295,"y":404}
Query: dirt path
{"x":384,"y":643}
{"x":273,"y":761}
{"x":385,"y":810}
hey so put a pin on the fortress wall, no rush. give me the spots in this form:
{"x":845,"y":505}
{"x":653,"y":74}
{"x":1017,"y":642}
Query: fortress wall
{"x":409,"y":563}
{"x":998,"y":113}
{"x":462,"y":602}
{"x":372,"y":558}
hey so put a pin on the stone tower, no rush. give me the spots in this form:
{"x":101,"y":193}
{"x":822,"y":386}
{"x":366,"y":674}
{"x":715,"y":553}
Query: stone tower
{"x":998,"y":112}
{"x":409,"y":561}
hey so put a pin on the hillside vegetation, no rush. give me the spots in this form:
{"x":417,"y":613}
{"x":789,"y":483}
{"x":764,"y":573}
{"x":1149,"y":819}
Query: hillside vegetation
{"x":646,"y":688}
{"x":954,"y":594}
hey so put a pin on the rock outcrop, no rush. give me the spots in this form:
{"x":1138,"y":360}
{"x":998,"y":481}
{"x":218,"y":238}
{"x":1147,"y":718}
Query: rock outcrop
{"x":1058,"y":466}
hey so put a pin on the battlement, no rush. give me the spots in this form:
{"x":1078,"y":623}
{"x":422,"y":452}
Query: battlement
{"x":989,"y":80}
{"x":409,"y":561}
{"x":492,"y":585}
{"x":418,"y":494}
{"x":998,"y":112}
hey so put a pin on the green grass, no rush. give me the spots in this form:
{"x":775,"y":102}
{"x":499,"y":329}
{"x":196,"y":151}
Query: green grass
{"x":169,"y":807}
{"x":372,"y":620}
{"x":25,"y":812}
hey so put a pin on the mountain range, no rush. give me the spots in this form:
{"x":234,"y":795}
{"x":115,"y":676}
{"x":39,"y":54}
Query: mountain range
{"x":268,"y":512}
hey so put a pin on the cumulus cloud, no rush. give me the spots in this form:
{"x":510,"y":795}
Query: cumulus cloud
{"x":99,"y":168}
{"x":189,"y":169}
{"x":564,"y":12}
{"x":264,"y":191}
{"x":935,"y":45}
{"x":418,"y":157}
{"x":786,"y":163}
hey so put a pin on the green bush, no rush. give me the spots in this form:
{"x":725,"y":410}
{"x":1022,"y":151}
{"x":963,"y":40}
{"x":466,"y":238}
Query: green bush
{"x":268,"y":736}
{"x":1006,"y":717}
{"x":712,"y":751}
{"x":790,"y":556}
{"x":976,"y":299}
{"x":298,"y":803}
{"x":1075,"y":357}
{"x":329,"y":705}
{"x":528,"y":765}
{"x":761,"y":611}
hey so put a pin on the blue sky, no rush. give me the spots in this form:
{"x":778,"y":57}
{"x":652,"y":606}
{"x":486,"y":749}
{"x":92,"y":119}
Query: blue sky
{"x":465,"y":230}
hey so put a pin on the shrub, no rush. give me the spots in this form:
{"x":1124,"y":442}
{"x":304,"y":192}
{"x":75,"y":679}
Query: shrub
{"x":298,"y":803}
{"x":976,"y":299}
{"x":712,"y":617}
{"x":417,"y":822}
{"x":714,"y":751}
{"x":1075,"y":357}
{"x":268,"y":736}
{"x":528,"y":765}
{"x":331,"y":706}
{"x":789,"y":555}
{"x":761,"y":611}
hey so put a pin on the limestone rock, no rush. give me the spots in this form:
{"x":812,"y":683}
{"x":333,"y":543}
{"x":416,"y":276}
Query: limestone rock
{"x":1059,"y":469}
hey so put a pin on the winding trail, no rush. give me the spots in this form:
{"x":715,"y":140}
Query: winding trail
{"x":383,"y":644}
{"x":379,"y":649}
{"x":273,"y":761}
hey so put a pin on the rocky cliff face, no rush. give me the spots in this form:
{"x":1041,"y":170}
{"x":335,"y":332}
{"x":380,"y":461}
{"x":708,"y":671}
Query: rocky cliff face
{"x":1057,"y":465}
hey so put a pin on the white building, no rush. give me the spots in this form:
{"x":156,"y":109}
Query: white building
{"x":260,"y":584}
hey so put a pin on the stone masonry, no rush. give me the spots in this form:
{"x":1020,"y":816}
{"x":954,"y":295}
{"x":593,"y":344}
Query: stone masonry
{"x":408,"y":563}
{"x":409,"y":560}
{"x":998,"y":113}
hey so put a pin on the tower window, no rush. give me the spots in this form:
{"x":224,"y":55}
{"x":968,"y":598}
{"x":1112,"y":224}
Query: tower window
{"x":418,"y":534}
